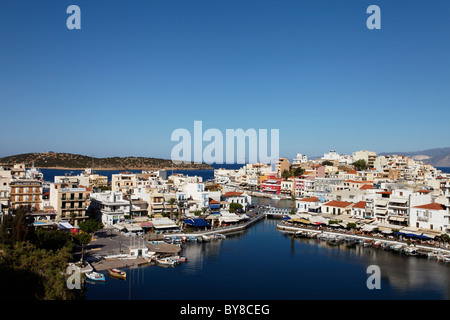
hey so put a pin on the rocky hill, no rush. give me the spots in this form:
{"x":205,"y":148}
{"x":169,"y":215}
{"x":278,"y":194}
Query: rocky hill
{"x":80,"y":162}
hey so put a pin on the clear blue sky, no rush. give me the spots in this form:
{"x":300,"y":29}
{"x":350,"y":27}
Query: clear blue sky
{"x":137,"y":70}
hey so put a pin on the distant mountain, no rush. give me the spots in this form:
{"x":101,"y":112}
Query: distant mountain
{"x":80,"y":162}
{"x":439,"y":157}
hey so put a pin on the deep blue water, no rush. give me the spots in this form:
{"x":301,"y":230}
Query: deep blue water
{"x":49,"y":174}
{"x":263,"y":263}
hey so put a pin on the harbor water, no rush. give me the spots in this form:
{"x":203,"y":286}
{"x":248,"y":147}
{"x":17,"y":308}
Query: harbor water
{"x":263,"y":263}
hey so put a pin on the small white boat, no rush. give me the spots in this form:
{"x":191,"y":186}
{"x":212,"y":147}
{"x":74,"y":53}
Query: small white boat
{"x":206,"y":238}
{"x":166,"y":261}
{"x":276,"y":198}
{"x":179,"y":259}
{"x":95,"y":276}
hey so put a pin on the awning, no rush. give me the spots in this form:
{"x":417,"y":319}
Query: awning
{"x":133,"y":227}
{"x":196,"y":222}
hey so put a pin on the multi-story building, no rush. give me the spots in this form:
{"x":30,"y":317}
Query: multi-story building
{"x":281,"y":165}
{"x":368,"y":156}
{"x":26,"y":194}
{"x":109,"y":207}
{"x":70,"y":201}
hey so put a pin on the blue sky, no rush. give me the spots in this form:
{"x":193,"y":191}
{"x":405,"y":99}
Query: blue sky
{"x":138,"y":70}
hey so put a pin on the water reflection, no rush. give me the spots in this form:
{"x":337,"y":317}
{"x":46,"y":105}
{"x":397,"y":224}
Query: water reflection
{"x":403,"y":273}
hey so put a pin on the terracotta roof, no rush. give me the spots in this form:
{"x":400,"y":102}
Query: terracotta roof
{"x":232,"y":194}
{"x":212,"y":201}
{"x":431,"y":206}
{"x":360,"y":205}
{"x":385,"y":192}
{"x":424,"y":191}
{"x":366,"y":187}
{"x":352,"y":172}
{"x":336,"y":203}
{"x":310,"y":199}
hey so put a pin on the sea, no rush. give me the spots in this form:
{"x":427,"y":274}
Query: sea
{"x":263,"y":263}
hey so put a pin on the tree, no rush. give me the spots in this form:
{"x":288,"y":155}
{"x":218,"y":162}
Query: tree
{"x":82,"y":239}
{"x":285,"y":174}
{"x":180,"y":206}
{"x":90,"y":226}
{"x":327,"y":163}
{"x":235,"y":206}
{"x":171,"y":203}
{"x":360,"y":164}
{"x":299,"y":172}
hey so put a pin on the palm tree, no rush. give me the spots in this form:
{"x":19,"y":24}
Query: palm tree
{"x":171,"y":203}
{"x":180,"y":206}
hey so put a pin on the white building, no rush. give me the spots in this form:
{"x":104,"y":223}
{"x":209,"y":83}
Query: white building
{"x":299,"y":159}
{"x":432,"y":216}
{"x":110,"y":207}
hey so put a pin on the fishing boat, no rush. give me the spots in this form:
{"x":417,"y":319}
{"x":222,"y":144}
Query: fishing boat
{"x":410,"y":251}
{"x":179,"y":259}
{"x":219,"y":236}
{"x":192,"y":239}
{"x":206,"y":238}
{"x":350,"y":239}
{"x":385,"y":245}
{"x":367,"y":243}
{"x":95,"y":276}
{"x":117,"y":273}
{"x":276,"y":198}
{"x":168,"y":261}
{"x":377,"y":244}
{"x":298,"y":234}
{"x":396,"y":247}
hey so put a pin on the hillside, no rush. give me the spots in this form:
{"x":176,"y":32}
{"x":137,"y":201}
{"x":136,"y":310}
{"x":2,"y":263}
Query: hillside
{"x":76,"y":161}
{"x":439,"y":157}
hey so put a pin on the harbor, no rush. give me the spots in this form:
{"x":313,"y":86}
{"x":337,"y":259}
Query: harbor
{"x":255,"y":256}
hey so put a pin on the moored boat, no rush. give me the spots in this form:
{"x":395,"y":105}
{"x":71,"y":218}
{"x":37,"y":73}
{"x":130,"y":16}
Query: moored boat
{"x":166,"y":261}
{"x":117,"y":273}
{"x":367,"y":243}
{"x":95,"y":276}
{"x":179,"y":259}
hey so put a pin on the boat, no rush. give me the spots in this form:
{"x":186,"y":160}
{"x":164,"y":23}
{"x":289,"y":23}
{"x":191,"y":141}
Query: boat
{"x":377,"y":244}
{"x":446,"y":258}
{"x":117,"y":273}
{"x":95,"y":276}
{"x":179,"y":259}
{"x":298,"y":234}
{"x":276,"y":198}
{"x":385,"y":245}
{"x":367,"y":243}
{"x":219,"y":236}
{"x":396,"y":247}
{"x":350,"y":239}
{"x":176,"y":240}
{"x":192,"y":239}
{"x":206,"y":238}
{"x":166,"y":261}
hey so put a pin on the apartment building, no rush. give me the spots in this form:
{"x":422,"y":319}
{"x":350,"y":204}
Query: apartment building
{"x":26,"y":194}
{"x":70,"y":201}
